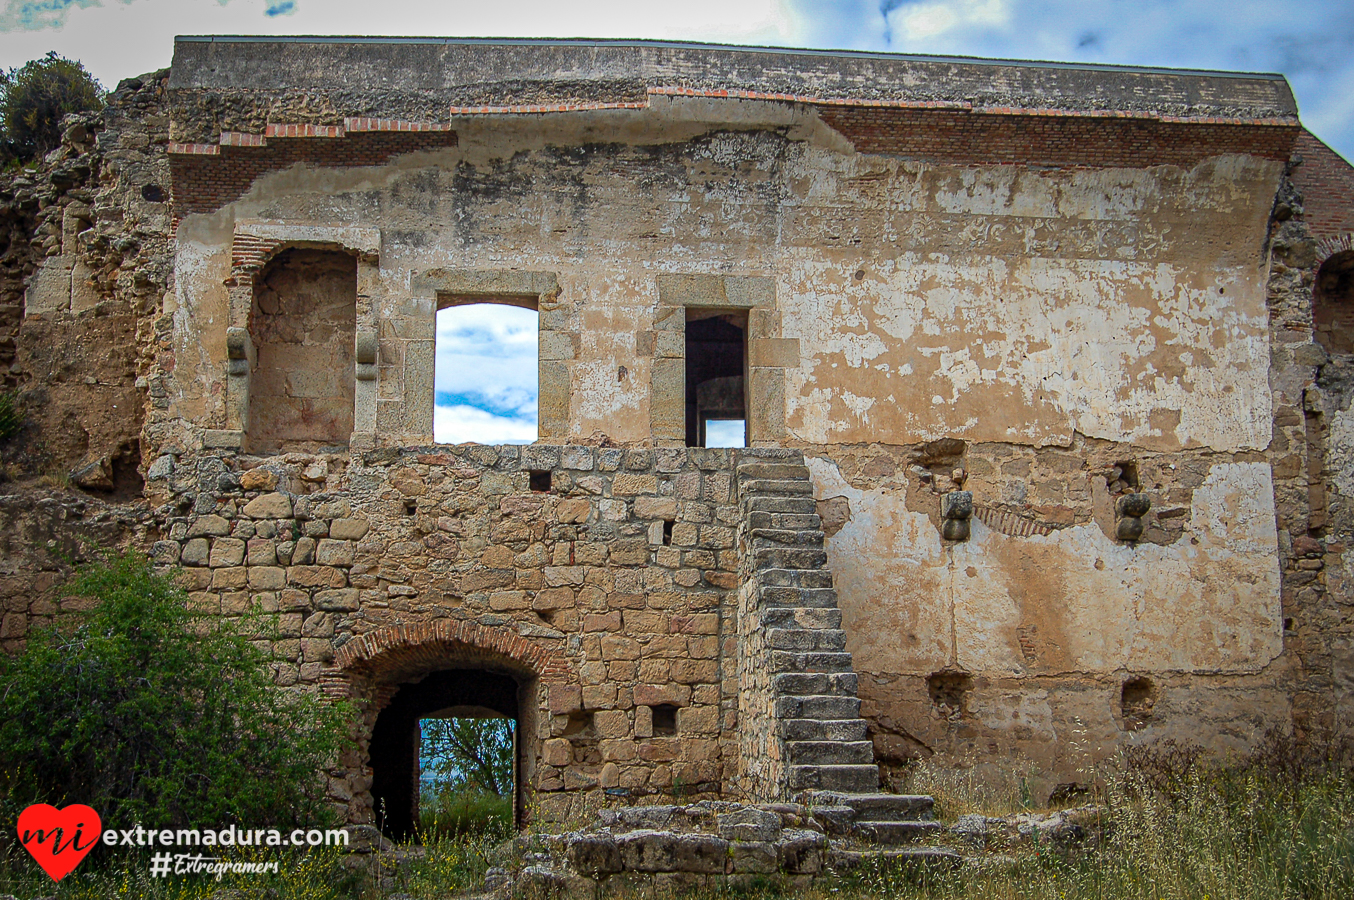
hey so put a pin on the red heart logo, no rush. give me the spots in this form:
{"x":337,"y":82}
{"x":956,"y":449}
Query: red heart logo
{"x":59,"y":838}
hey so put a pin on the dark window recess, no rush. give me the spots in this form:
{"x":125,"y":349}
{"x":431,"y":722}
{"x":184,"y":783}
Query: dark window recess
{"x":580,"y":724}
{"x":716,"y":356}
{"x":540,"y":481}
{"x":667,"y":533}
{"x":664,"y":720}
{"x":410,"y":507}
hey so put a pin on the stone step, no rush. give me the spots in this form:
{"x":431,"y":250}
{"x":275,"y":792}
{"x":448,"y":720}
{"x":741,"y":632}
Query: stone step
{"x":833,"y":778}
{"x":792,"y":577}
{"x":829,"y":753}
{"x":816,"y":706}
{"x":785,"y":537}
{"x":817,"y":661}
{"x":782,"y":505}
{"x":810,"y":684}
{"x":784,"y":558}
{"x":810,"y":618}
{"x":922,"y":859}
{"x":830,"y":639}
{"x":790,"y":597}
{"x":824,"y":729}
{"x":874,"y":806}
{"x":778,"y":471}
{"x":796,"y":521}
{"x":891,"y":834}
{"x":782,"y":487}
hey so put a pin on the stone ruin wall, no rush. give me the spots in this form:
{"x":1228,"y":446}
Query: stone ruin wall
{"x":1012,"y":649}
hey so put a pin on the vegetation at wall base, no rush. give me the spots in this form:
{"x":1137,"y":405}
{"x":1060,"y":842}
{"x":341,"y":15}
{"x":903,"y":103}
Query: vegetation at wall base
{"x":11,"y":415}
{"x":152,"y":714}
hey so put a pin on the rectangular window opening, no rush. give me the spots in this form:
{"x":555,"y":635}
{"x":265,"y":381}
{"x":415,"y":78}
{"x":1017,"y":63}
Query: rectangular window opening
{"x":716,"y":376}
{"x":725,"y":432}
{"x":667,"y":533}
{"x":486,"y":370}
{"x":540,"y":481}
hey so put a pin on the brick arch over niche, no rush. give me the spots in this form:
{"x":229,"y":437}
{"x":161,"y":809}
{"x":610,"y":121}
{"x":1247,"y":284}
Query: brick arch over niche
{"x":397,"y":652}
{"x":1333,"y":294}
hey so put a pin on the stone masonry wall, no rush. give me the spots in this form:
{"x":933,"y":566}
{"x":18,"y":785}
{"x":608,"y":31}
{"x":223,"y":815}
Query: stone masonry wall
{"x":623,"y":567}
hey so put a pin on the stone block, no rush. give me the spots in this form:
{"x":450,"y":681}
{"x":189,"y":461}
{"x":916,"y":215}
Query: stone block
{"x":211,"y":525}
{"x":267,"y":578}
{"x":349,"y":529}
{"x":749,"y":824}
{"x":233,"y":579}
{"x":334,"y":553}
{"x":629,"y":484}
{"x":573,"y":511}
{"x":261,"y":552}
{"x":269,"y":506}
{"x":657,"y":694}
{"x":655,"y":508}
{"x":664,"y":851}
{"x":197,"y":552}
{"x":258,"y":480}
{"x":557,"y":752}
{"x":316,"y":577}
{"x":303,"y":552}
{"x":49,"y":290}
{"x":698,"y":720}
{"x":612,"y":723}
{"x":565,"y":698}
{"x":342,"y":600}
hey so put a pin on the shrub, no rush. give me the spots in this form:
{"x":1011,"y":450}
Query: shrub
{"x":34,"y":98}
{"x":152,"y":714}
{"x":11,"y":416}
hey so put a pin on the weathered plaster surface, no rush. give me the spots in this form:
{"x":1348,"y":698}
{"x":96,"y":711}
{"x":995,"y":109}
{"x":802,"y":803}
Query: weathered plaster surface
{"x":1085,"y":604}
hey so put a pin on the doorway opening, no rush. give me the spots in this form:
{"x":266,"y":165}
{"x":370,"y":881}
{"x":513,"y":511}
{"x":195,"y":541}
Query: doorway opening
{"x":455,"y":728}
{"x":716,"y":379}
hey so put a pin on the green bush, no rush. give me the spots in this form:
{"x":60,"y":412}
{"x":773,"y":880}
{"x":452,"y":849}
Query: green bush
{"x":11,"y":416}
{"x":34,"y":98}
{"x":154,"y":715}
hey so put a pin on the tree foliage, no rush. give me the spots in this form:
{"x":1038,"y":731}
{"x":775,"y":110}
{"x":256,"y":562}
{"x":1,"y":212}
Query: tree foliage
{"x":470,"y":753}
{"x":152,"y":714}
{"x":34,"y":98}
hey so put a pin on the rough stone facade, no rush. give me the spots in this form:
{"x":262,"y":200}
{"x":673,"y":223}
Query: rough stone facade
{"x":1045,"y":372}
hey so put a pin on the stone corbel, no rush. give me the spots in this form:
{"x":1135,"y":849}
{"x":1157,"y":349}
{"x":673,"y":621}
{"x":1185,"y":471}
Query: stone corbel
{"x":239,"y":363}
{"x":367,"y":350}
{"x":1129,"y":510}
{"x":956,"y":508}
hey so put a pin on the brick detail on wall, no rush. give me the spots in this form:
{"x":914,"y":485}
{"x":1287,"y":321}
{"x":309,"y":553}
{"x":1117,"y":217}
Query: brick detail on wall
{"x":1054,"y":138}
{"x":208,"y":176}
{"x":1326,"y":182}
{"x":425,"y":646}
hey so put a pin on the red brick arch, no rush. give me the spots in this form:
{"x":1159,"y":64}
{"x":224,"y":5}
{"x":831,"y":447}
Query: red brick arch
{"x":398,"y":651}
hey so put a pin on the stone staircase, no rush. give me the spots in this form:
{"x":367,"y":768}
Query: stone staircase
{"x":794,"y":650}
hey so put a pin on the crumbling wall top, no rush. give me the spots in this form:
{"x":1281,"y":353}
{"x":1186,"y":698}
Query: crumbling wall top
{"x":387,"y":72}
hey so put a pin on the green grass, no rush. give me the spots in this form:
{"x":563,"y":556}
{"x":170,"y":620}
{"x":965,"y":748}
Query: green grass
{"x":456,"y":813}
{"x":1171,"y":830}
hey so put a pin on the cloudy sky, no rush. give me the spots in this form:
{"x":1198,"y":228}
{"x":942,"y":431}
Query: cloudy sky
{"x":1312,"y":43}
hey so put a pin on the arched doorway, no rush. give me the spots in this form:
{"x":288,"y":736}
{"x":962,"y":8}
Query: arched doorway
{"x":401,"y":673}
{"x":395,"y":738}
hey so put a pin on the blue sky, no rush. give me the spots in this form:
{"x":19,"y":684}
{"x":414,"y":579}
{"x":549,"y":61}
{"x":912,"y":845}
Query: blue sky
{"x":491,"y":396}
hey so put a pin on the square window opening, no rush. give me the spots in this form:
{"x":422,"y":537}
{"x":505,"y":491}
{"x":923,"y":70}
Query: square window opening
{"x":540,"y":481}
{"x":664,"y":720}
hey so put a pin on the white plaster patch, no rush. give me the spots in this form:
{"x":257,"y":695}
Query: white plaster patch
{"x":1082,"y":602}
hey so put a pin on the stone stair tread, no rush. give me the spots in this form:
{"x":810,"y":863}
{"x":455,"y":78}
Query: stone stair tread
{"x":875,"y":807}
{"x":904,"y":832}
{"x":777,"y":486}
{"x":839,"y":777}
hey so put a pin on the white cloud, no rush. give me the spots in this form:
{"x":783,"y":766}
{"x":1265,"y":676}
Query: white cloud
{"x":486,"y":374}
{"x":116,"y":39}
